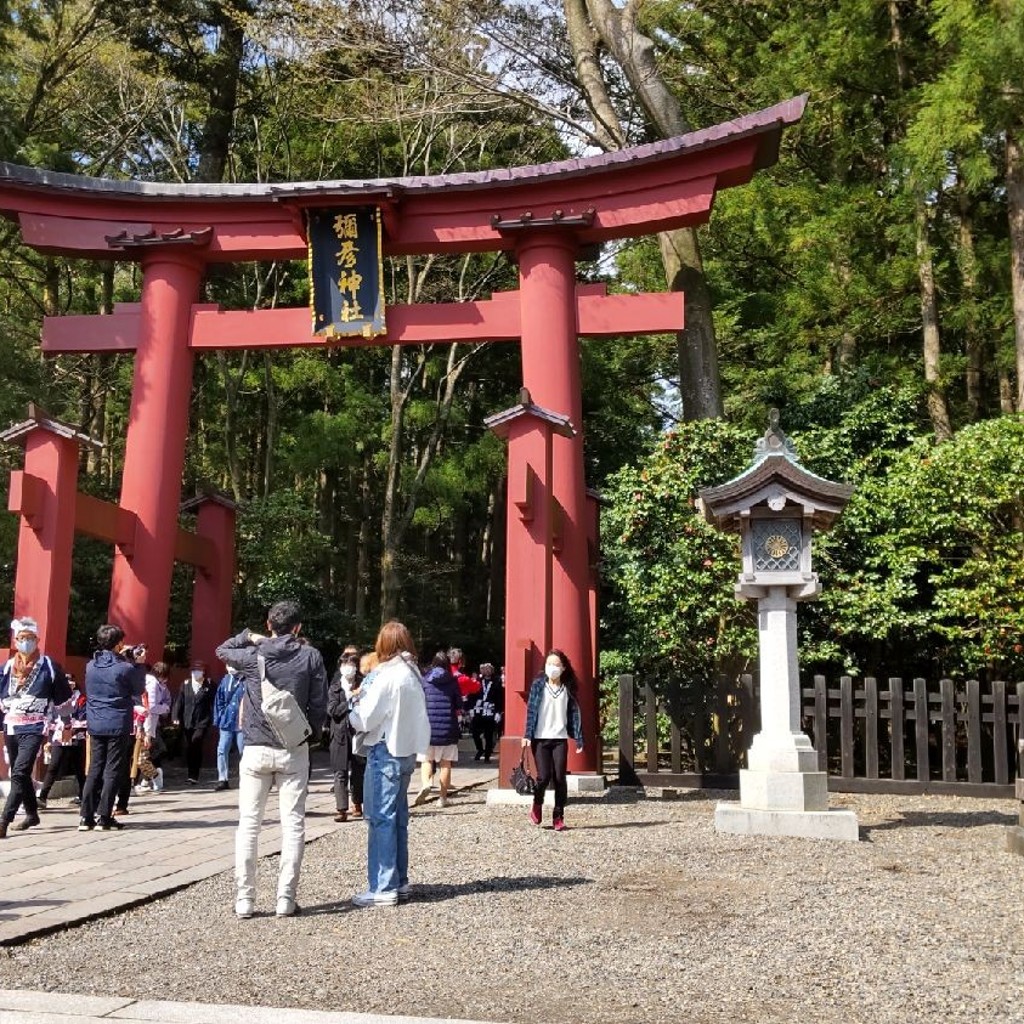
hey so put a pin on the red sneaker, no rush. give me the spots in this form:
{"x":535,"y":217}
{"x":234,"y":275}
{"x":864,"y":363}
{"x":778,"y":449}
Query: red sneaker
{"x":535,"y":814}
{"x":559,"y":825}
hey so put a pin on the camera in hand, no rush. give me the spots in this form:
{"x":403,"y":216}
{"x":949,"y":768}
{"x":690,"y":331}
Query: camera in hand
{"x":134,"y":653}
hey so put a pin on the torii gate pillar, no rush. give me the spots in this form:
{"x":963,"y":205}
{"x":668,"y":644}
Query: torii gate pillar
{"x":155,"y":452}
{"x":551,"y":373}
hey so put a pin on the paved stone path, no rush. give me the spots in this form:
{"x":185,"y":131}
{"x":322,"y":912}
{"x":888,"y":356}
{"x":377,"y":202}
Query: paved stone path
{"x":18,"y":1006}
{"x":54,"y":876}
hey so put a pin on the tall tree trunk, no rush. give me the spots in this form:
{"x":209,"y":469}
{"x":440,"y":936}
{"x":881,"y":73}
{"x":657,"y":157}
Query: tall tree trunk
{"x":937,"y":409}
{"x":390,"y":582}
{"x":974,"y":345}
{"x":224,"y":68}
{"x":271,"y":426}
{"x":1015,"y":215}
{"x":593,"y":22}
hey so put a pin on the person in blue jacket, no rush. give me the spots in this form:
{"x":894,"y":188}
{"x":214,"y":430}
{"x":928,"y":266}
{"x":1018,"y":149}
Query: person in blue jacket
{"x":226,"y":717}
{"x":115,"y":679}
{"x":444,"y":700}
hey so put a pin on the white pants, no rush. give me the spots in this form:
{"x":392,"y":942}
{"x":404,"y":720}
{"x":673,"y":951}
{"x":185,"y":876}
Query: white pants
{"x":259,"y":769}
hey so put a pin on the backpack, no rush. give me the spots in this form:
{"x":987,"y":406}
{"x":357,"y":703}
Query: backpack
{"x":282,"y":712}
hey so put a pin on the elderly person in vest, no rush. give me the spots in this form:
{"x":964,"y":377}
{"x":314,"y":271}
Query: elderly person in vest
{"x":392,"y":712}
{"x":29,"y":683}
{"x":115,"y":680}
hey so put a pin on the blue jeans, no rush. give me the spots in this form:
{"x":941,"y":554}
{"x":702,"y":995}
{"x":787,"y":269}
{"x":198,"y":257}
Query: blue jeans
{"x":226,"y":738}
{"x":386,"y":809}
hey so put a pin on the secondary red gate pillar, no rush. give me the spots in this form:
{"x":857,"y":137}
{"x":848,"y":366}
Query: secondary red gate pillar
{"x":551,"y":373}
{"x":44,"y":495}
{"x":155,"y":450}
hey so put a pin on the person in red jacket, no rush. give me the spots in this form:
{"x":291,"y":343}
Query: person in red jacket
{"x":468,"y":686}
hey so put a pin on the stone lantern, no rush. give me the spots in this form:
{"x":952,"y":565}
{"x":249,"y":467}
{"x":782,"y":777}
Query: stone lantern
{"x":776,"y":506}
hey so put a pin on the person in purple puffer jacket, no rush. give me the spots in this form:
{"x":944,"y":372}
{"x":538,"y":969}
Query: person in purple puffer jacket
{"x":444,"y":699}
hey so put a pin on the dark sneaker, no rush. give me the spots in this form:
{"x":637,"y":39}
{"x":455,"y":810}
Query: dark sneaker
{"x":86,"y":826}
{"x":75,"y":801}
{"x":28,"y":822}
{"x":3,"y":829}
{"x":41,"y":802}
{"x":221,"y":786}
{"x":110,"y":825}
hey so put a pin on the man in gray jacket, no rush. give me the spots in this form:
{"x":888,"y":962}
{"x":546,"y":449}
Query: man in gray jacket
{"x":295,"y":666}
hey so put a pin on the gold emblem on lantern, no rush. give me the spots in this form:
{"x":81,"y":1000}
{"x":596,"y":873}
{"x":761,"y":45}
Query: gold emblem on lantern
{"x":777,"y":546}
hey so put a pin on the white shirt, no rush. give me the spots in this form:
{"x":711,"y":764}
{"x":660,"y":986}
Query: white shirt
{"x":553,"y":717}
{"x":394,"y":709}
{"x":159,"y":704}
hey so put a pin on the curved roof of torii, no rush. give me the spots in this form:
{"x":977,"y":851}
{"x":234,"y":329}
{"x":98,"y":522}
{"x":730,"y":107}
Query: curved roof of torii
{"x":626,"y":193}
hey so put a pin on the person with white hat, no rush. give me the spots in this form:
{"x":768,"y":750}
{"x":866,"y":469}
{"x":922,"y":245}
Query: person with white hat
{"x":29,"y":683}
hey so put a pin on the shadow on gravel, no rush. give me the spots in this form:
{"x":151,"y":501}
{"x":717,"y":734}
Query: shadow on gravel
{"x":621,"y":824}
{"x":941,"y":819}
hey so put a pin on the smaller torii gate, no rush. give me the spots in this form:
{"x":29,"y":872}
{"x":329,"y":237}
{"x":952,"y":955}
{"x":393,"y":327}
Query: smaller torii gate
{"x":45,"y":497}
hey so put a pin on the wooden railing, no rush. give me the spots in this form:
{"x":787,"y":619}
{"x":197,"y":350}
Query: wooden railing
{"x":869,"y":736}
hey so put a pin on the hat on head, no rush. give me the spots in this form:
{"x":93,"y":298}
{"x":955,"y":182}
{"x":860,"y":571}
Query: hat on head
{"x":25,"y":625}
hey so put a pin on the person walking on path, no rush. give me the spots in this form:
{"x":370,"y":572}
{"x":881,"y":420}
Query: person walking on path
{"x":115,"y":679}
{"x":158,"y":701}
{"x":552,"y":719}
{"x":226,"y":716}
{"x":29,"y":683}
{"x":67,"y":743}
{"x":193,"y":711}
{"x":348,"y":768}
{"x":487,"y":706}
{"x":441,"y":692}
{"x":392,"y":712}
{"x":297,"y":667}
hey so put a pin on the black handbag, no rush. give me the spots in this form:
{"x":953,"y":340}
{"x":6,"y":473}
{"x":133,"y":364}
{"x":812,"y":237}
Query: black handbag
{"x":522,"y":781}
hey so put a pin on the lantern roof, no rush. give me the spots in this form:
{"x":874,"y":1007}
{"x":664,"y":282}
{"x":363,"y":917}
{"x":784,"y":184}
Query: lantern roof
{"x":774,"y":483}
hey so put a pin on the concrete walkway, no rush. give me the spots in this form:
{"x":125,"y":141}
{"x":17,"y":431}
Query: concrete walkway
{"x":54,"y":876}
{"x":22,"y":1007}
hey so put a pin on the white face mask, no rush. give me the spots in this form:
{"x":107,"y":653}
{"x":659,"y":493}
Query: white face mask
{"x":348,"y":671}
{"x":197,"y":675}
{"x":231,"y":671}
{"x":28,"y":645}
{"x":553,"y":670}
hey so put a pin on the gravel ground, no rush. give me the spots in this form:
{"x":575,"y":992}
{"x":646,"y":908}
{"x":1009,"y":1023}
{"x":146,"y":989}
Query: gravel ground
{"x":640,"y":913}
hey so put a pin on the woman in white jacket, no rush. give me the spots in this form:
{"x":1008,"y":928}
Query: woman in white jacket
{"x":392,"y":713}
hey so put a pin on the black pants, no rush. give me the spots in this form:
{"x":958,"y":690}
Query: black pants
{"x":107,"y":758}
{"x":21,"y":752}
{"x":194,"y":752}
{"x":348,"y":778}
{"x":551,"y":757}
{"x":484,"y":733}
{"x":71,"y":758}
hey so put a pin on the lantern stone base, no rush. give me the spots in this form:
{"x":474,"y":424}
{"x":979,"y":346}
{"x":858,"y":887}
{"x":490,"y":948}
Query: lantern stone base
{"x":748,"y":821}
{"x":783,"y":791}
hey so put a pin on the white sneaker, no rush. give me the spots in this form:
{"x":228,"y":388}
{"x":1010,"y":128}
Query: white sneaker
{"x":286,"y":907}
{"x":422,"y":796}
{"x":158,"y":781}
{"x":376,"y":899}
{"x":442,"y":801}
{"x":244,"y":909}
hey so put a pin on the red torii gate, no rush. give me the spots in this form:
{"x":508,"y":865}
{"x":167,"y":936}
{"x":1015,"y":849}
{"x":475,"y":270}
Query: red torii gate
{"x":543,"y":214}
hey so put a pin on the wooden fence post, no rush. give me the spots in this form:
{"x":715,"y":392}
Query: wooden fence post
{"x":627,"y":733}
{"x":651,"y":721}
{"x":948,"y":730}
{"x":821,"y":722}
{"x":999,"y":759}
{"x":973,"y":731}
{"x":846,"y":726}
{"x":921,"y":729}
{"x":897,"y":721}
{"x":871,"y":727}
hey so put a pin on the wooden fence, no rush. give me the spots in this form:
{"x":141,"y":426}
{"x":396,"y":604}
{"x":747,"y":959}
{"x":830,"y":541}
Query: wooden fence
{"x":889,"y":737}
